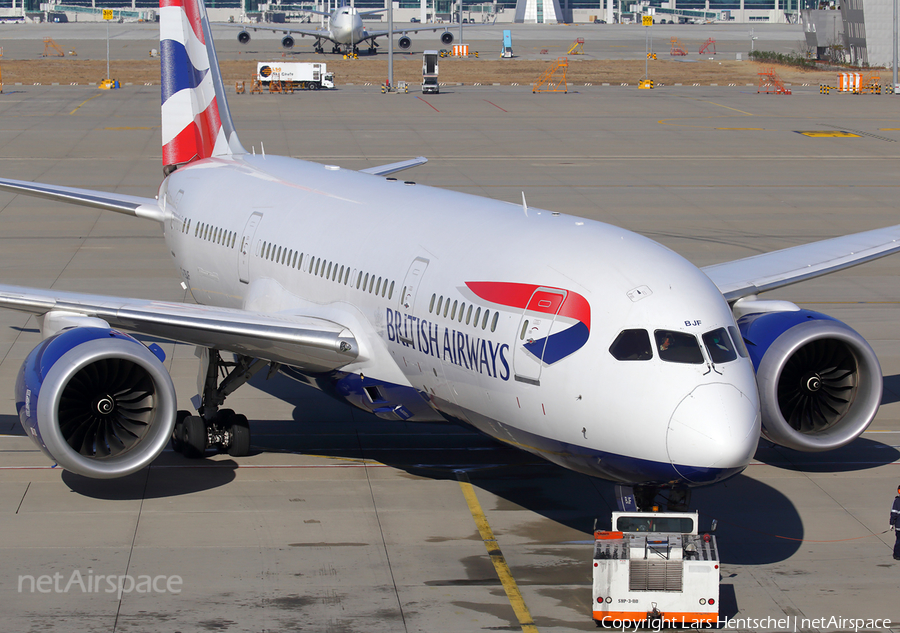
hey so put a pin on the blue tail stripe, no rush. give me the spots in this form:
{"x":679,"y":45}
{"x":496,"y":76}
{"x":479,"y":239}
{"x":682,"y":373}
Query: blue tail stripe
{"x":178,"y":73}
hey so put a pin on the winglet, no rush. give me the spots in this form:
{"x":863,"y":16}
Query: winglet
{"x":196,"y":121}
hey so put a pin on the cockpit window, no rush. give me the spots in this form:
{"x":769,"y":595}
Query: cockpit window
{"x":738,"y":342}
{"x":719,"y":346}
{"x":678,"y":347}
{"x":632,"y":345}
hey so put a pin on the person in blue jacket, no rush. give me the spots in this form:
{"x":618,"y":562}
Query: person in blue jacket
{"x":895,"y":523}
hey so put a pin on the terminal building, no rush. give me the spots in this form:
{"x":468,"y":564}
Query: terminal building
{"x":855,"y":17}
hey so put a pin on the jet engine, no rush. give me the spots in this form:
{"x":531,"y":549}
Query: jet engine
{"x":404,"y":42}
{"x":819,"y":381}
{"x":447,"y":38}
{"x":287,"y":41}
{"x":243,"y":37}
{"x":96,"y":401}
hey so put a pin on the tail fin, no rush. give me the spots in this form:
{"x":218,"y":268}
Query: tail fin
{"x":196,"y":122}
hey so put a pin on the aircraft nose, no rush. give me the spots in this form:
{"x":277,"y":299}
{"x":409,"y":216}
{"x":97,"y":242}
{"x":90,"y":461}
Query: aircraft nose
{"x":713,"y":433}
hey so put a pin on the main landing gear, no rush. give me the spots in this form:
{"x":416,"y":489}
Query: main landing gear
{"x":221,"y":429}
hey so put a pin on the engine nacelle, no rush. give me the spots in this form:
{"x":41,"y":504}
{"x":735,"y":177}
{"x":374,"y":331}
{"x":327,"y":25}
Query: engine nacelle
{"x":287,"y":42}
{"x":243,"y":37}
{"x":447,"y":38}
{"x":819,"y":381}
{"x":96,"y":401}
{"x":404,"y":42}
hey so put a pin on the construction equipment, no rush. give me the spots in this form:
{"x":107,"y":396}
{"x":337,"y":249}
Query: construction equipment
{"x":709,"y":47}
{"x":255,"y":86}
{"x":460,"y":50}
{"x":577,"y":47}
{"x":52,"y":49}
{"x":430,"y":73}
{"x":870,"y":83}
{"x":554,"y":78}
{"x":771,"y":83}
{"x":655,"y":567}
{"x":645,"y":84}
{"x":676,"y":48}
{"x":300,"y":76}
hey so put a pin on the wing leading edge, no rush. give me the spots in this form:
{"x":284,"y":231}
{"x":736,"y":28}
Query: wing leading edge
{"x":760,"y":273}
{"x":310,"y":343}
{"x":120,"y":203}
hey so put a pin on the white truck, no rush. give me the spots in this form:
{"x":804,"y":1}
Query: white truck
{"x":430,"y":73}
{"x":300,"y":76}
{"x":655,"y":567}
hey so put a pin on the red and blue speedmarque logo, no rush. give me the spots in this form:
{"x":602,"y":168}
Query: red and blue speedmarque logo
{"x":569,"y":312}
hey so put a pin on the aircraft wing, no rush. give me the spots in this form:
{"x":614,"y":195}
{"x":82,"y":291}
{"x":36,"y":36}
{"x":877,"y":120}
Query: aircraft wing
{"x":392,"y":168}
{"x":760,"y":273}
{"x":120,"y":203}
{"x":324,"y":34}
{"x":310,"y":343}
{"x":413,"y":29}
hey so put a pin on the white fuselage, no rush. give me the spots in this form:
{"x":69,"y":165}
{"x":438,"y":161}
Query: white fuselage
{"x":347,"y":26}
{"x":396,"y":263}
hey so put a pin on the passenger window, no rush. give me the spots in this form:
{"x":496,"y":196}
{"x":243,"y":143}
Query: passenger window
{"x":678,"y":347}
{"x":278,"y":254}
{"x":268,"y":250}
{"x":391,"y":291}
{"x":347,"y":276}
{"x":341,"y":274}
{"x":719,"y":346}
{"x":469,"y":315}
{"x":494,"y":322}
{"x":453,"y":310}
{"x":371,"y":283}
{"x":485,"y":319}
{"x":430,"y":305}
{"x":318,"y":263}
{"x":328,"y":274}
{"x":462,"y":309}
{"x":378,"y":287}
{"x":358,"y":280}
{"x":522,"y":333}
{"x":440,"y":303}
{"x":738,"y":341}
{"x":477,"y":316}
{"x":632,"y":345}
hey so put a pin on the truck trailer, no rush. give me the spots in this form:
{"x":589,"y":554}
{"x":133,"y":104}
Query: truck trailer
{"x":655,"y":567}
{"x":300,"y":76}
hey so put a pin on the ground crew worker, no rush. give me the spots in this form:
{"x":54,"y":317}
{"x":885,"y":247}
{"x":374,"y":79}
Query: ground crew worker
{"x":895,"y":524}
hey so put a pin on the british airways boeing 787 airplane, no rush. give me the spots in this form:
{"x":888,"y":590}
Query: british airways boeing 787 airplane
{"x":591,"y":346}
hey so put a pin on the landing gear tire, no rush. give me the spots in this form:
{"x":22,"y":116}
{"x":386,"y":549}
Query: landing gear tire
{"x":178,"y":431}
{"x":194,"y":437}
{"x":239,"y":429}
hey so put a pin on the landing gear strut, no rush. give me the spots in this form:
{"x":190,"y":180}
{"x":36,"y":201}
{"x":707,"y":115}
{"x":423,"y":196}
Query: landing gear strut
{"x":653,"y":498}
{"x":222,"y":429}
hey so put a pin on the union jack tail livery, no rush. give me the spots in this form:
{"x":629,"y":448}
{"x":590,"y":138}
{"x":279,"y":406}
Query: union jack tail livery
{"x":196,"y":123}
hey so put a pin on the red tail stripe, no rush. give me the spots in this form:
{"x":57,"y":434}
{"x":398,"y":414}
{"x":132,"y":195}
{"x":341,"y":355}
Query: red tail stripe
{"x":195,"y":141}
{"x":191,"y":10}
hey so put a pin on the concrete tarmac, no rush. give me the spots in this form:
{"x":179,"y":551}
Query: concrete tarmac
{"x":340,"y":521}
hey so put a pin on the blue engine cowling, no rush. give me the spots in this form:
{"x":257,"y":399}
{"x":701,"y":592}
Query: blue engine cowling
{"x":819,"y":381}
{"x":96,"y":401}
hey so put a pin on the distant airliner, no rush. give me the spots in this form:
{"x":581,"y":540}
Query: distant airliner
{"x":591,"y":346}
{"x":346,"y":31}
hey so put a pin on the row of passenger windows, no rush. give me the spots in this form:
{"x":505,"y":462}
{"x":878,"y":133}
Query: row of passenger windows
{"x":459,"y":311}
{"x":679,"y":347}
{"x":210,"y":233}
{"x":326,"y":269}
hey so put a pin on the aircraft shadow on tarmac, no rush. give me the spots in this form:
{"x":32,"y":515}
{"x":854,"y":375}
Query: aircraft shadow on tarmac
{"x":891,"y":389}
{"x":757,"y":524}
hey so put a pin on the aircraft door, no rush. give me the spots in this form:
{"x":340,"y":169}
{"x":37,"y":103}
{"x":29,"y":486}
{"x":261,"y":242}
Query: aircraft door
{"x":534,"y":328}
{"x":411,"y":286}
{"x":246,"y":245}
